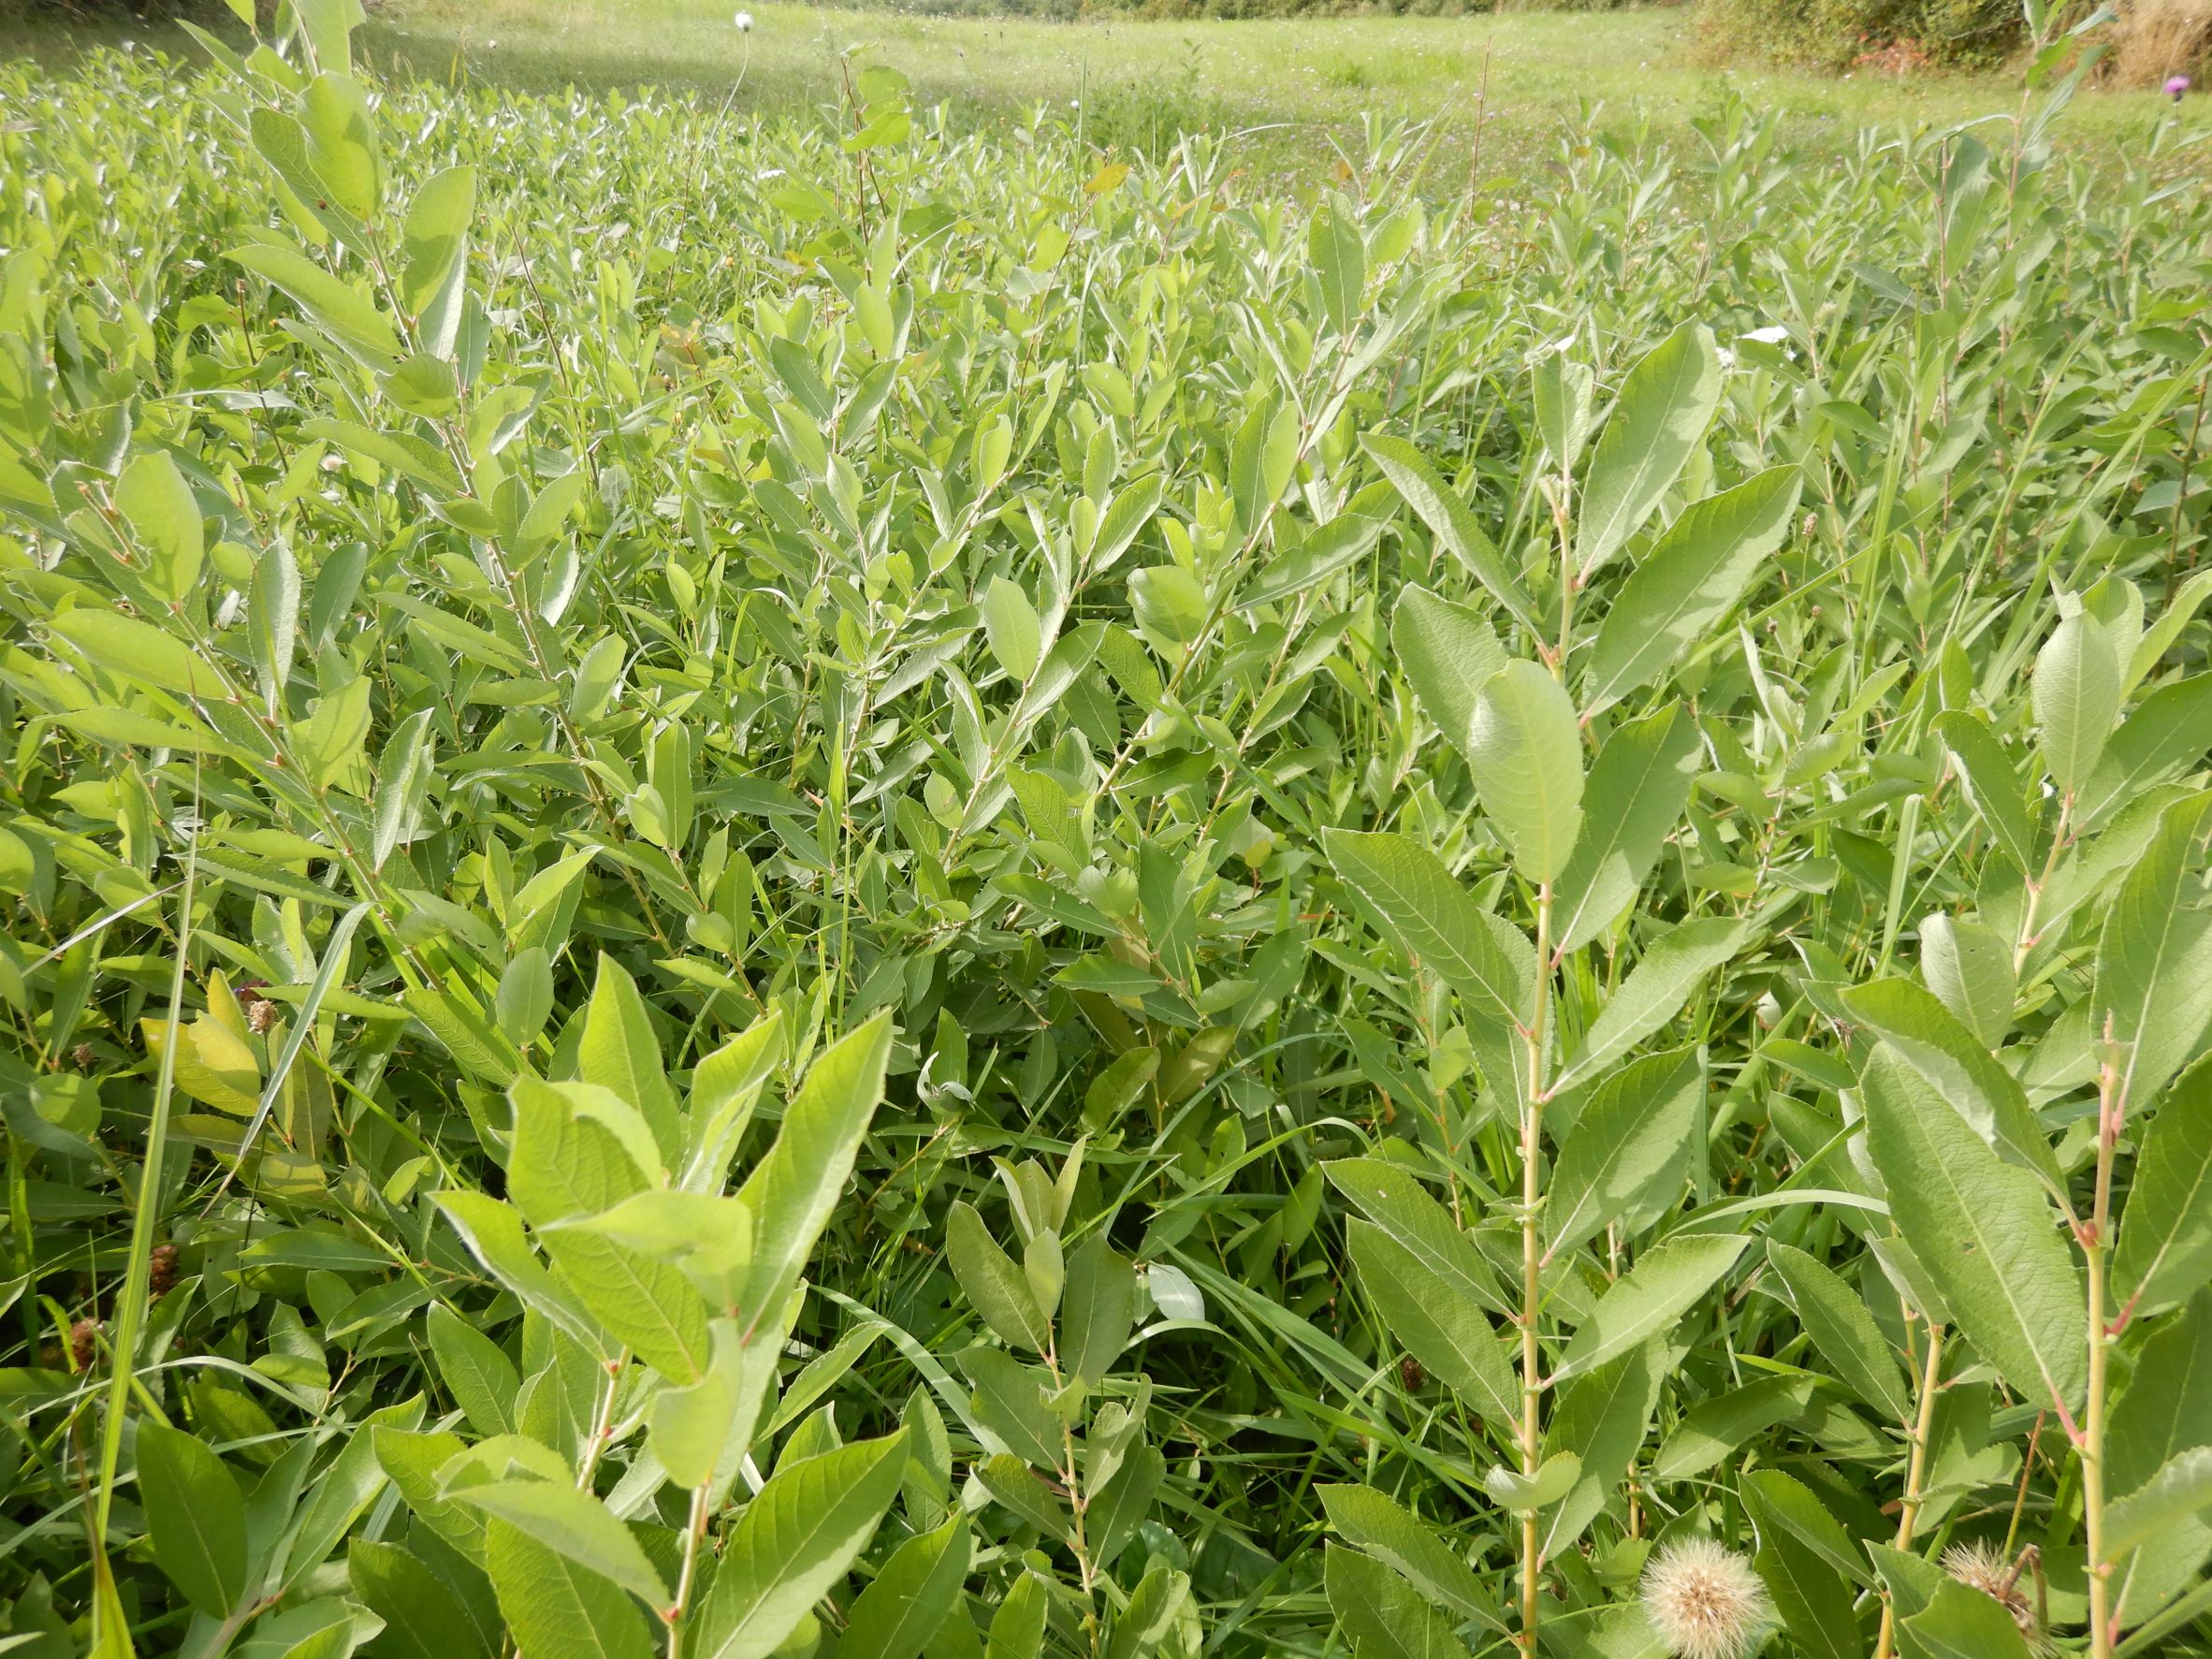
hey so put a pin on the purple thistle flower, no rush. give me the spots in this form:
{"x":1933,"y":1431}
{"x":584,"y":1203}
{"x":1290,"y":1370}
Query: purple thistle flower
{"x":2176,"y":86}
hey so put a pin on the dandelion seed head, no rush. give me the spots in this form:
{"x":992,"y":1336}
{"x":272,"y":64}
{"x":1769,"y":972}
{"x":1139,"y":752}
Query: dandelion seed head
{"x":1706,"y":1602}
{"x":1982,"y":1566}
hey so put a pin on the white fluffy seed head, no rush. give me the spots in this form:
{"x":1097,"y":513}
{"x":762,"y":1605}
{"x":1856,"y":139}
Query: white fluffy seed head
{"x":743,"y":22}
{"x":1982,"y":1566}
{"x":1706,"y":1602}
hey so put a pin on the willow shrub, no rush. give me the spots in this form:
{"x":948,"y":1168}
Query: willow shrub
{"x":804,"y":888}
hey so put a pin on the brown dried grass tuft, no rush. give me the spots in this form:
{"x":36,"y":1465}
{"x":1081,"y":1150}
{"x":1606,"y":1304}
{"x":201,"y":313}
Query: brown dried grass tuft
{"x":2152,"y":40}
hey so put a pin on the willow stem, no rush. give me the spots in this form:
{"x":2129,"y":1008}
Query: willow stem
{"x":1532,"y":1115}
{"x":1916,"y":1472}
{"x":2110,"y":1114}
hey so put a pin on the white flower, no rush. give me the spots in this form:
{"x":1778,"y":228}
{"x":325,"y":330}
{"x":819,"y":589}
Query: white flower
{"x":743,"y":22}
{"x":1706,"y":1602}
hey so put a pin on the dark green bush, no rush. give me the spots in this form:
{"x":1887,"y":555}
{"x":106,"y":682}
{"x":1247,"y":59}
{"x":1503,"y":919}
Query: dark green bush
{"x":1837,"y":34}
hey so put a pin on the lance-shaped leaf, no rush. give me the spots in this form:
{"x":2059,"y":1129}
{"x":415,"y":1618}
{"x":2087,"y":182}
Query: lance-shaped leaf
{"x":1599,"y":1422}
{"x":1926,"y":1034}
{"x":164,"y":517}
{"x":1393,"y":1535}
{"x":1527,"y":750}
{"x":2165,"y":737}
{"x":2076,"y":696}
{"x":1961,"y":1623}
{"x":554,"y":1606}
{"x":340,"y":310}
{"x":1648,"y":1299}
{"x":575,"y":1525}
{"x":1448,"y":653}
{"x":1992,"y":784}
{"x":2166,"y":1242}
{"x":195,"y":1516}
{"x":619,"y":1052}
{"x":1098,"y":1310}
{"x":1654,"y":993}
{"x":2165,"y":1411}
{"x":2152,"y":998}
{"x":1693,"y":576}
{"x":1637,"y":788}
{"x":1836,"y":1319}
{"x":1448,"y":521}
{"x":1801,"y":1553}
{"x":1969,"y":968}
{"x":423,"y":1617}
{"x":792,"y":1543}
{"x":569,"y":1167}
{"x":992,"y":1283}
{"x":1631,"y":1136}
{"x":1713,"y":1428}
{"x":1663,"y":408}
{"x":1439,"y":1326}
{"x":1392,"y":1197}
{"x":2181,"y":1490}
{"x":1382,"y":1615}
{"x":918,"y":1588}
{"x":1417,"y":902}
{"x":1339,"y":259}
{"x":794,"y":1190}
{"x":1982,"y":1231}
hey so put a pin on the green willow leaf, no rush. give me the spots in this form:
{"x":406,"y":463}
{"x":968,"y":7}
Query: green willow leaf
{"x":1527,"y":750}
{"x":195,"y":1516}
{"x":1440,"y":1326}
{"x":1382,"y":1615}
{"x":1666,"y":403}
{"x":796,"y":1541}
{"x":1391,"y":1534}
{"x":1992,"y":784}
{"x":1812,"y":1595}
{"x":1671,"y":1278}
{"x":1450,"y":521}
{"x":1448,"y":653}
{"x":576,"y":1526}
{"x":1637,"y":786}
{"x":1630,"y":1139}
{"x":1842,"y":1330}
{"x":558,"y":1609}
{"x":1691,"y":578}
{"x":998,"y":1289}
{"x":1982,"y":1233}
{"x":912,"y":1597}
{"x":2076,"y":693}
{"x":1960,"y":1068}
{"x":1416,"y":900}
{"x":1392,"y":1197}
{"x":794,"y":1189}
{"x":1969,"y":968}
{"x":2152,"y":999}
{"x":1654,"y":993}
{"x":2165,"y":1240}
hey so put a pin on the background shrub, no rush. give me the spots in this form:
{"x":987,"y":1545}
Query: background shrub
{"x":1836,"y":33}
{"x":2153,"y":39}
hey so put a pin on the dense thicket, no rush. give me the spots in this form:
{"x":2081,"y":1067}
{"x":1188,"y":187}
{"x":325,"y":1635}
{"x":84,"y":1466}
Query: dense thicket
{"x":1835,"y":35}
{"x":818,"y":888}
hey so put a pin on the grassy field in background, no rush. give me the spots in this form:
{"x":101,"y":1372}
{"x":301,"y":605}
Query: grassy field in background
{"x":1307,"y":83}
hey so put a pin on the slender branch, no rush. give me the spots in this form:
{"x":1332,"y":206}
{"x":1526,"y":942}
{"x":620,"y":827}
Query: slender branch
{"x":1916,"y":1472}
{"x":1532,"y":1115}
